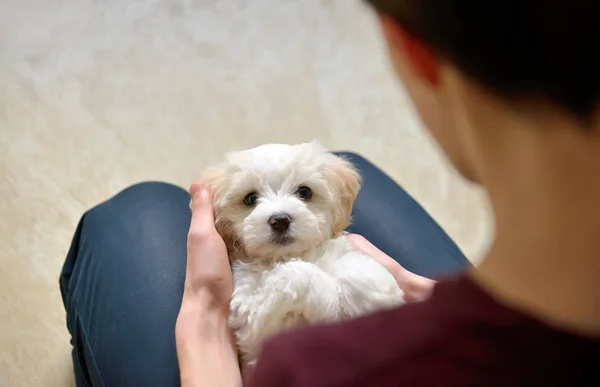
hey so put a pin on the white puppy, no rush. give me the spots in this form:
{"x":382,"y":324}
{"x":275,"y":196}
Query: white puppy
{"x":282,"y":210}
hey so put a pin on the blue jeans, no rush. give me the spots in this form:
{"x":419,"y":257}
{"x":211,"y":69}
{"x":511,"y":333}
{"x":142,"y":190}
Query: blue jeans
{"x":123,"y":277}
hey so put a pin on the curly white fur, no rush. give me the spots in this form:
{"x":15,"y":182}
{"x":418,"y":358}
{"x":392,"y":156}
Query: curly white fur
{"x":308,"y":273}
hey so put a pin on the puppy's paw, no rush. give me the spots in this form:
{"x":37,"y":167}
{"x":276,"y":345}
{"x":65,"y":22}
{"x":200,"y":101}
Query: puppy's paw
{"x":304,"y":291}
{"x":366,"y":286}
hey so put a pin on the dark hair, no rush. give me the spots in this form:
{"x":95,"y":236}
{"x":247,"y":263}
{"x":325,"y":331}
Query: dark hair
{"x":517,"y":48}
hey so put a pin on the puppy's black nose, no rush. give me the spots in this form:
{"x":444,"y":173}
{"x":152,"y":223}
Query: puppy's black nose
{"x":280,"y":222}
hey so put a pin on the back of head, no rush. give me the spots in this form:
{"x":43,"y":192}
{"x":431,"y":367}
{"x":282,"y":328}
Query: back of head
{"x":519,"y":49}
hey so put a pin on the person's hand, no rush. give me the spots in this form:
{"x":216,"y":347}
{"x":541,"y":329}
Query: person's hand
{"x":206,"y":349}
{"x":415,"y":287}
{"x":208,"y":279}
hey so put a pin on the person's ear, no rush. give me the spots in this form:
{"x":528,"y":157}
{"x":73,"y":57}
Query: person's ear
{"x":420,"y":57}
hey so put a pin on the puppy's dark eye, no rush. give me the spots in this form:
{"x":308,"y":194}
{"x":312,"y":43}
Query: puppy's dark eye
{"x":304,"y":193}
{"x":251,"y":199}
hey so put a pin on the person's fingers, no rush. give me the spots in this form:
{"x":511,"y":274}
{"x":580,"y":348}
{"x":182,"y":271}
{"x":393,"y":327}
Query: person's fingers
{"x":363,"y":245}
{"x":203,"y":221}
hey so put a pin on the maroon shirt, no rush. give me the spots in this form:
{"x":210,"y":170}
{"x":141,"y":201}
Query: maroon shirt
{"x":460,"y":337}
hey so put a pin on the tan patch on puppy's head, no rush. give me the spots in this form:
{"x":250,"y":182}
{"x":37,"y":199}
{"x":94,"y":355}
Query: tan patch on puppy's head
{"x":345,"y":181}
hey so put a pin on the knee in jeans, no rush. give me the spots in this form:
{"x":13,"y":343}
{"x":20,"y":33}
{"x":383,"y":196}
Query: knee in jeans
{"x":152,"y":187}
{"x":149,"y":190}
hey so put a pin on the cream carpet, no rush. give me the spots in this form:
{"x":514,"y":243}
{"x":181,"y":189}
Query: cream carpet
{"x":96,"y":95}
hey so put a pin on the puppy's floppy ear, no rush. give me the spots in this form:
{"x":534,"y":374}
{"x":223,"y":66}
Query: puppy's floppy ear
{"x":215,"y":178}
{"x":346,"y":182}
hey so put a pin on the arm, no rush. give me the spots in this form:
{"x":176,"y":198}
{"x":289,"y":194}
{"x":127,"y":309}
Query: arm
{"x":206,"y":348}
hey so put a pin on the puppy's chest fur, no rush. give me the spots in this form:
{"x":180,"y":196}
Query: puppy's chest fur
{"x":327,"y":284}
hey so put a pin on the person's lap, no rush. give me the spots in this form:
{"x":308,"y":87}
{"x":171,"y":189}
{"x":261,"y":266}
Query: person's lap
{"x":123,"y":278}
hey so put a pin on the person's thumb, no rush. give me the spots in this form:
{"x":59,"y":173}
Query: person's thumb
{"x":202,"y":208}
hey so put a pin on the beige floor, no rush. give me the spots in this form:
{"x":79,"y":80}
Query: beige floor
{"x":96,"y":95}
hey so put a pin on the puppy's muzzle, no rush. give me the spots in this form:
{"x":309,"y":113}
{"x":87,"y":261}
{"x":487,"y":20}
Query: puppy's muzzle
{"x":280,"y":223}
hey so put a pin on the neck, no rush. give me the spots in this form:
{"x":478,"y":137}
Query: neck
{"x":544,"y":187}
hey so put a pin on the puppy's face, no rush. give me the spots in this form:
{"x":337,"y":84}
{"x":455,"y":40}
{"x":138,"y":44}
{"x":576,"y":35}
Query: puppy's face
{"x":279,"y":200}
